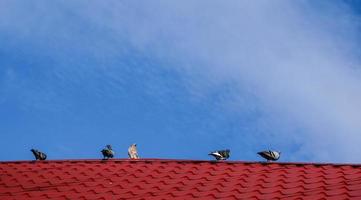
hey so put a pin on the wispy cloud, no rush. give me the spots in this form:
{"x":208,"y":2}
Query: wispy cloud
{"x":294,"y":64}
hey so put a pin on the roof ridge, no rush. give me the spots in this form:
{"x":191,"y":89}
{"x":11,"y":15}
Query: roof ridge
{"x":184,"y":161}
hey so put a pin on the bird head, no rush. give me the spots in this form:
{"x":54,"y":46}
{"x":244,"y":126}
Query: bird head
{"x":33,"y":150}
{"x":135,"y":144}
{"x":227,"y":151}
{"x":109,"y":146}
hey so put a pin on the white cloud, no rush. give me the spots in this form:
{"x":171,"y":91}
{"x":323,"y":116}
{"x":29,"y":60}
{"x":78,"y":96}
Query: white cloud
{"x":298,"y":60}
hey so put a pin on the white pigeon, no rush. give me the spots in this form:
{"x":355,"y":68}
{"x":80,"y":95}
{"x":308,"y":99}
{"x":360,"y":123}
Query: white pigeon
{"x":270,"y":155}
{"x":132,"y":152}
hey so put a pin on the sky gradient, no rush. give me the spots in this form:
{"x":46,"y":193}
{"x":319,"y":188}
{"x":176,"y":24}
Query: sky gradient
{"x":181,"y":79}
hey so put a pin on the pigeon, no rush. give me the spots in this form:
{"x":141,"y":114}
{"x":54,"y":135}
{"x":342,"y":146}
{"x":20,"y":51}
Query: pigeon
{"x":132,"y":152}
{"x":108,"y":152}
{"x":221,"y":154}
{"x":270,"y":155}
{"x":38,"y":155}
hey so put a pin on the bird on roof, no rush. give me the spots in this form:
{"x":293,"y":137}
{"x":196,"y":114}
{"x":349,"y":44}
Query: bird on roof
{"x":220,"y":154}
{"x":270,"y":155}
{"x":38,"y":155}
{"x":108,"y":152}
{"x":132,"y":152}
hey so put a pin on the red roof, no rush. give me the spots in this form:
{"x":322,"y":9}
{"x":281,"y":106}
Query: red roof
{"x":177,"y":179}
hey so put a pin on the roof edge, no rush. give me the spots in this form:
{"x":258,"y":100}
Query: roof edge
{"x":183,"y":161}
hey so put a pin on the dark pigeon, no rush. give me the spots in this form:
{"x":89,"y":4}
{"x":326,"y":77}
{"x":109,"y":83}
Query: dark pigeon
{"x":38,"y":155}
{"x":270,"y":155}
{"x":221,"y":154}
{"x":108,"y":152}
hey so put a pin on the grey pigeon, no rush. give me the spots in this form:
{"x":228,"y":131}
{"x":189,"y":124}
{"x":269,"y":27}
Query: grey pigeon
{"x":220,"y":154}
{"x":38,"y":155}
{"x":108,"y":152}
{"x":270,"y":155}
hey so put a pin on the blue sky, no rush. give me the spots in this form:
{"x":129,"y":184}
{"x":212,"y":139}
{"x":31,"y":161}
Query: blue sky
{"x":181,"y":79}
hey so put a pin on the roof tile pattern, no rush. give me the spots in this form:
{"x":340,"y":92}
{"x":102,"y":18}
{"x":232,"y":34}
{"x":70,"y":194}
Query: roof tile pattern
{"x":176,"y":179}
